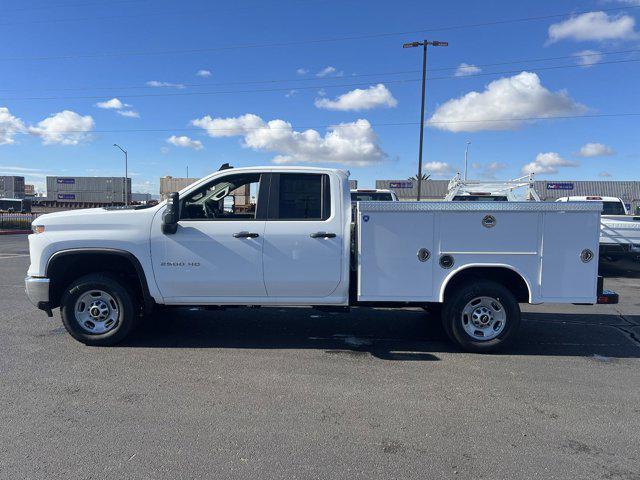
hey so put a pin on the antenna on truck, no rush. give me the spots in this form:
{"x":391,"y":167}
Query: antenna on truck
{"x":225,"y":166}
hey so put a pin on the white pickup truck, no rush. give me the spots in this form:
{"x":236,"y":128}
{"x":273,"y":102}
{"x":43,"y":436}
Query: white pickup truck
{"x":619,"y":232}
{"x":282,"y":236}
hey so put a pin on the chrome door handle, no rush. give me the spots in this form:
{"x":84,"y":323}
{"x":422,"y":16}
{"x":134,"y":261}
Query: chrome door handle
{"x":245,"y":235}
{"x":322,"y":235}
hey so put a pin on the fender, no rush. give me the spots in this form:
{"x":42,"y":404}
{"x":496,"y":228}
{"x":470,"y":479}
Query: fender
{"x":452,"y":274}
{"x":148,"y":300}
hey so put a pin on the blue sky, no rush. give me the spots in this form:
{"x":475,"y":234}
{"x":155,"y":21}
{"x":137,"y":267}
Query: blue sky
{"x":61,"y":59}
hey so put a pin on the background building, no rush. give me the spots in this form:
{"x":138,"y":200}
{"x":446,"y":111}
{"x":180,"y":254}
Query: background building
{"x":548,"y":190}
{"x":141,"y":197}
{"x":88,"y":190}
{"x":170,"y":184}
{"x":11,"y":186}
{"x":29,"y":190}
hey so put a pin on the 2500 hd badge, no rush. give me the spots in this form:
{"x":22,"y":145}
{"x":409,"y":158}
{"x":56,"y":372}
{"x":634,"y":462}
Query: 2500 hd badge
{"x":179,"y":264}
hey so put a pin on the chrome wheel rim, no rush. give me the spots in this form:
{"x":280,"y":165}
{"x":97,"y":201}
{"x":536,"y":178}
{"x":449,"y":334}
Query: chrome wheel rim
{"x":96,"y":312}
{"x":483,"y":318}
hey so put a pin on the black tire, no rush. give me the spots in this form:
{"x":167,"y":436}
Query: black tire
{"x":128,"y":315}
{"x":454,"y":323}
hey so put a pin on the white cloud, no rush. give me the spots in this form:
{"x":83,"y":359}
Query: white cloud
{"x":604,"y":174}
{"x":128,"y":113}
{"x":329,"y":71}
{"x":593,"y":26}
{"x":353,"y":144}
{"x":438,"y":168}
{"x":588,"y":58}
{"x":9,"y":126}
{"x":203,"y":73}
{"x":595,"y":150}
{"x":547,"y":163}
{"x":117,"y":105}
{"x":291,"y":93}
{"x":184,"y":141}
{"x":503,"y":104}
{"x":360,"y":99}
{"x":64,"y":128}
{"x":113,"y":104}
{"x":159,"y":84}
{"x":465,"y":69}
{"x":302,"y":71}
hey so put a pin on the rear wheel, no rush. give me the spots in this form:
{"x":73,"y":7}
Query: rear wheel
{"x":98,"y":309}
{"x":481,"y":316}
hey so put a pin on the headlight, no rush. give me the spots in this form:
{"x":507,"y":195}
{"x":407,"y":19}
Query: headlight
{"x":37,"y":228}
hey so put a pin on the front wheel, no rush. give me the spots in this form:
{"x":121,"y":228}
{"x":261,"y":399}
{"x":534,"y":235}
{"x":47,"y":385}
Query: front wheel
{"x":98,"y":310}
{"x":481,"y":316}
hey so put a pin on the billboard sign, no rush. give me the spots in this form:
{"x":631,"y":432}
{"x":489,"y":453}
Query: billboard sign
{"x":400,"y":184}
{"x":559,"y":185}
{"x":66,"y":196}
{"x":66,"y":181}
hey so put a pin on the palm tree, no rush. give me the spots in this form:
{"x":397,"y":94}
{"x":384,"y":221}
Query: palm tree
{"x":424,"y":177}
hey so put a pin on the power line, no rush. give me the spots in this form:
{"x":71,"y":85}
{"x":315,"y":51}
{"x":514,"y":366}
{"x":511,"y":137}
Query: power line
{"x":392,"y":124}
{"x":355,"y":75}
{"x":304,"y":87}
{"x":311,"y":41}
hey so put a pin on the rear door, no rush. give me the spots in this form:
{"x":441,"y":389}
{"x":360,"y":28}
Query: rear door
{"x":302,"y":250}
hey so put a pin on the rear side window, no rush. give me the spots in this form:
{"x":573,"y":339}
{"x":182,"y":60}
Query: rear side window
{"x":297,"y":196}
{"x":612,"y":208}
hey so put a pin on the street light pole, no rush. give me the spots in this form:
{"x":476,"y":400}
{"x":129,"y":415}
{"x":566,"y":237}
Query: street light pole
{"x":125,"y":194}
{"x":466,"y":153}
{"x":424,"y":44}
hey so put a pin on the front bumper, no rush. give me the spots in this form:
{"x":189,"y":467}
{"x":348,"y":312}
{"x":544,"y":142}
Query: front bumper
{"x":37,"y":290}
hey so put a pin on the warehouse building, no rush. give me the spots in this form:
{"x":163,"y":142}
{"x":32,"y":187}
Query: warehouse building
{"x":11,"y":186}
{"x":548,"y":190}
{"x":83,"y":192}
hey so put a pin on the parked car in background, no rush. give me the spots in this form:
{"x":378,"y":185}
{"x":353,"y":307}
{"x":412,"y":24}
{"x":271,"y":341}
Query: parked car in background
{"x":619,"y":232}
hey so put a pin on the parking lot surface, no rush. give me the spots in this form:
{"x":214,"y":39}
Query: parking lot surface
{"x":298,"y":393}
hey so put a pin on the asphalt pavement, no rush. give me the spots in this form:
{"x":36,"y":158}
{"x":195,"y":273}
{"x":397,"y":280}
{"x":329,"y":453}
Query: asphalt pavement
{"x":296,"y":393}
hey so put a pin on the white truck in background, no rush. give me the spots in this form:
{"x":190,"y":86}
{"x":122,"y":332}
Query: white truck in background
{"x":281,"y":236}
{"x":619,"y":231}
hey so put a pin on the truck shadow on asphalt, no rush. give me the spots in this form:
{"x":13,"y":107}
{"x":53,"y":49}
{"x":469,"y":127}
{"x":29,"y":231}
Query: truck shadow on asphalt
{"x":387,"y":334}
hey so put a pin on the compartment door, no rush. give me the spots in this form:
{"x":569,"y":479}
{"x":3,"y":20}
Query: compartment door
{"x":565,"y":278}
{"x":388,"y":264}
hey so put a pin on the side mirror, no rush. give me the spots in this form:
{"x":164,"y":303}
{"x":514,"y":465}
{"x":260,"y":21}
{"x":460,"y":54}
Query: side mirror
{"x":171,"y":215}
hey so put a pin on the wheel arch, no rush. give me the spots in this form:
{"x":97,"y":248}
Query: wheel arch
{"x":64,"y":266}
{"x":507,"y":275}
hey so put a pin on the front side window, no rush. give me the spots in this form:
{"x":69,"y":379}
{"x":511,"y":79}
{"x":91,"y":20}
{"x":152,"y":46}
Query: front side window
{"x":232,"y":197}
{"x":300,"y":196}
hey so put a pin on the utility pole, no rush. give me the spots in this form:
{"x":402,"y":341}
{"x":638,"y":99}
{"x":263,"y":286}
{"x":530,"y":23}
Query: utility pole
{"x":187,"y":171}
{"x":125,"y":194}
{"x":466,"y":154}
{"x":424,"y":44}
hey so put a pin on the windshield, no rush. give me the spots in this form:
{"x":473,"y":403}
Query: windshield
{"x":479,"y":198}
{"x":612,"y":208}
{"x":371,"y":197}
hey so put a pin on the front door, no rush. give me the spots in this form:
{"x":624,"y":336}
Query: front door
{"x":216,"y":253}
{"x":303,"y":237}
